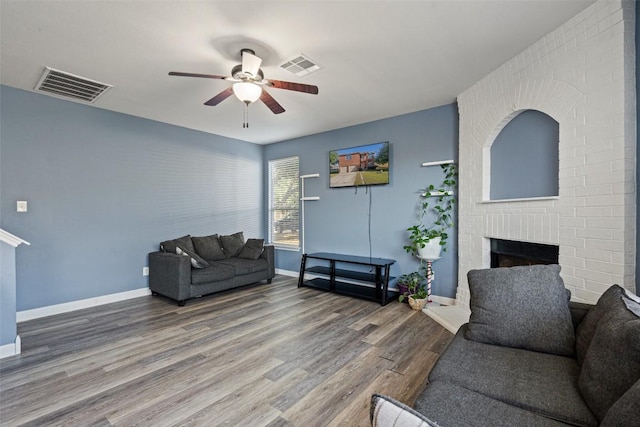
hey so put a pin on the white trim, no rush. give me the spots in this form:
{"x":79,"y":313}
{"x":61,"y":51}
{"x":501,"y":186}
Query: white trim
{"x":9,"y":350}
{"x":10,"y":239}
{"x":524,"y":199}
{"x":287,"y":272}
{"x":285,"y":248}
{"x":36,"y":313}
{"x":444,"y":301}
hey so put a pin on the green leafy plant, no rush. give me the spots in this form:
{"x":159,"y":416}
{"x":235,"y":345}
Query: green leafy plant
{"x":415,"y":283}
{"x":436,"y":204}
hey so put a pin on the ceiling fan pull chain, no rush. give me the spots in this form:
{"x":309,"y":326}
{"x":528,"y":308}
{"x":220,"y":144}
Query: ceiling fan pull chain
{"x":246,"y":115}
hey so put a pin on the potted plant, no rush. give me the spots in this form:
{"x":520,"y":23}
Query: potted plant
{"x":408,"y":283}
{"x":436,"y":204}
{"x":416,"y":292}
{"x":419,"y":299}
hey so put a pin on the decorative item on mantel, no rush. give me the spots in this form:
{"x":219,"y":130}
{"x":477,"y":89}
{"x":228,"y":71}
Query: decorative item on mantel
{"x":435,"y":205}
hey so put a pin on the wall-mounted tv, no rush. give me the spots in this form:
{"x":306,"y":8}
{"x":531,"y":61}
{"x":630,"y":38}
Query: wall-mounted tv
{"x":357,"y":166}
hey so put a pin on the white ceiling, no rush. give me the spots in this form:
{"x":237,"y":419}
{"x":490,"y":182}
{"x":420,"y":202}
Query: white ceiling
{"x":380,"y":58}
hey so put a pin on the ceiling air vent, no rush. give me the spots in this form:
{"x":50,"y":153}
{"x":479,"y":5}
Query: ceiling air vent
{"x":60,"y":83}
{"x":301,"y":65}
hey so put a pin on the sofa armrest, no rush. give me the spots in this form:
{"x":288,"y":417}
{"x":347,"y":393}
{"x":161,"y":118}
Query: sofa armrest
{"x":170,"y":275}
{"x":269,"y":254}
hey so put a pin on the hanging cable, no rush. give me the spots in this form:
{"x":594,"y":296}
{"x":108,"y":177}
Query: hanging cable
{"x":370,"y":245}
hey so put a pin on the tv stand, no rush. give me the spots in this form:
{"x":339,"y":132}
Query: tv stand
{"x":373,"y":286}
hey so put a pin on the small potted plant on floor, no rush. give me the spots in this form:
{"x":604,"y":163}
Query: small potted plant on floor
{"x":436,"y":204}
{"x":418,"y":300}
{"x":407,"y":282}
{"x":416,"y":292}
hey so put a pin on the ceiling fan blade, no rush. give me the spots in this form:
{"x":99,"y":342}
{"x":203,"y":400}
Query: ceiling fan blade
{"x":206,"y":76}
{"x":220,"y":97}
{"x":271,"y":103}
{"x":298,"y":87}
{"x":250,"y":63}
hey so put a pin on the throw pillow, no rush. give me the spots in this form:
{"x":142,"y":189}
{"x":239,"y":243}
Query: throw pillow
{"x":612,"y":362}
{"x":522,"y":307}
{"x":170,"y":245}
{"x":386,"y":411}
{"x":196,"y":261}
{"x":252,"y":249}
{"x":232,"y":244}
{"x":587,"y":328}
{"x":208,"y":247}
{"x":626,"y":410}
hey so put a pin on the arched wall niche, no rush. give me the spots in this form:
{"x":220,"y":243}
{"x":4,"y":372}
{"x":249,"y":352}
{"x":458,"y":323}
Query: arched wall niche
{"x":523,"y":157}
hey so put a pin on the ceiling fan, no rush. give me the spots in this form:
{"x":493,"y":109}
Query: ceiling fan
{"x":249,"y":83}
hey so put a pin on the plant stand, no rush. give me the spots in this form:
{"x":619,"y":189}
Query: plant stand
{"x":430,"y":276}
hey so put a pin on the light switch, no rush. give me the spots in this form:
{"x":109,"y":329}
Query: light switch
{"x":22,"y":205}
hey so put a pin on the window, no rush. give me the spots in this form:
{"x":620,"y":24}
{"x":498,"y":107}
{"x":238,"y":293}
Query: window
{"x":284,"y":202}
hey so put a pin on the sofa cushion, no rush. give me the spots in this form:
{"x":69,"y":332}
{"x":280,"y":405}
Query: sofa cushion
{"x":214,"y":273}
{"x":252,"y":249}
{"x":246,"y":266}
{"x":626,"y":411}
{"x":612,"y":362}
{"x":170,"y":245}
{"x":538,"y":382}
{"x":208,"y":247}
{"x":522,"y":307}
{"x":388,"y":412}
{"x":196,"y":260}
{"x":451,"y":405}
{"x":232,"y":244}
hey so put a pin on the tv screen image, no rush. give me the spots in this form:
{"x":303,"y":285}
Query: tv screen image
{"x":357,"y":166}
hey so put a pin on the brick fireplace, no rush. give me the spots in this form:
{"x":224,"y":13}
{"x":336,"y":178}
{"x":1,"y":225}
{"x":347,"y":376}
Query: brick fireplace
{"x":583,"y":75}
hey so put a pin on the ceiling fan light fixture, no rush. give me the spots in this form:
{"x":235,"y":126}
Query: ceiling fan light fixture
{"x":247,"y":92}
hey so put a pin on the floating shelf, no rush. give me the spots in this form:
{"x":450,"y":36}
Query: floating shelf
{"x":437,"y":193}
{"x":439,"y":162}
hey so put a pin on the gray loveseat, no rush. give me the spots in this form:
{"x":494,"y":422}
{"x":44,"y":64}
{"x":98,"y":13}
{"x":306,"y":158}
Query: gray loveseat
{"x":190,"y":267}
{"x":528,"y":357}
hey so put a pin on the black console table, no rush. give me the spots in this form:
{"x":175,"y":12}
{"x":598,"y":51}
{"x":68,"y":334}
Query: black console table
{"x":374,"y":285}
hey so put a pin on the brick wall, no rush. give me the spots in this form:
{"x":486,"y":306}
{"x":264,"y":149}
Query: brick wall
{"x":583,"y":75}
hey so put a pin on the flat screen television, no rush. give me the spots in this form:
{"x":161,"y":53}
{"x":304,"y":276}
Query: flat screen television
{"x":358,"y":166}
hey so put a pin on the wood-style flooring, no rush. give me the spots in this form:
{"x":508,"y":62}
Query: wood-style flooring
{"x":266,"y":355}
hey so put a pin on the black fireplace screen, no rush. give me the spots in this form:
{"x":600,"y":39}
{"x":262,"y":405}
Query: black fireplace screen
{"x":509,"y":253}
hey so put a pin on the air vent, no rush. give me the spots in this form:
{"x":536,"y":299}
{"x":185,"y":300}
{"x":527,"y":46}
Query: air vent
{"x":301,"y":65}
{"x":60,"y":83}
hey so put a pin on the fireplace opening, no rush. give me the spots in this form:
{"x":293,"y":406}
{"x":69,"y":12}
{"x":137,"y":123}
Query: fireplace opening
{"x":510,"y":253}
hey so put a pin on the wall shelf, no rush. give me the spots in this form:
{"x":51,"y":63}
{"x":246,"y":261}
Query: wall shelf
{"x":438,"y":163}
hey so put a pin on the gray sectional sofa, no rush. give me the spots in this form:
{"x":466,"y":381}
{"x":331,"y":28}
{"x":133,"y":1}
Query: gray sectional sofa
{"x":190,"y":267}
{"x":529,"y":357}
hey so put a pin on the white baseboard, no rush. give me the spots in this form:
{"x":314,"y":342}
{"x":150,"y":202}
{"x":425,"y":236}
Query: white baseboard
{"x":50,"y":310}
{"x":287,"y":272}
{"x":443,"y":300}
{"x":9,"y":350}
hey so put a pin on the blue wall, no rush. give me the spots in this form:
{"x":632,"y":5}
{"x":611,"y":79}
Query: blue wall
{"x":338,"y":222}
{"x":105,"y":188}
{"x":524,"y":157}
{"x":8,"y":330}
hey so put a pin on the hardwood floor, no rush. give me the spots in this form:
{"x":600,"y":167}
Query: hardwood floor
{"x":267,"y":355}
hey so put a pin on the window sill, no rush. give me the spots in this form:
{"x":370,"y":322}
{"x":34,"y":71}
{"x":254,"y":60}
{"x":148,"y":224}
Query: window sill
{"x":280,"y":247}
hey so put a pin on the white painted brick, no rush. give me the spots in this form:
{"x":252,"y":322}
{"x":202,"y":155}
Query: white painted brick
{"x":594,"y":254}
{"x":595,"y":233}
{"x":586,"y":296}
{"x":578,"y":74}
